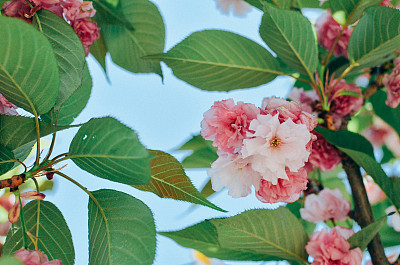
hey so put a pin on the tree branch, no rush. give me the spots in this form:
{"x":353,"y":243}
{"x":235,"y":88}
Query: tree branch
{"x":362,"y":209}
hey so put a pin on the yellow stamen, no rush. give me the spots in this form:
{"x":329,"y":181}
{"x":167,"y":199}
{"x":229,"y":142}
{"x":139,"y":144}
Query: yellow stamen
{"x":275,"y":143}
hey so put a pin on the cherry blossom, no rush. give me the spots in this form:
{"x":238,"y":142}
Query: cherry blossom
{"x":394,"y":220}
{"x":328,"y":29}
{"x":374,"y":193}
{"x":236,"y":175}
{"x":285,"y":190}
{"x":17,"y":8}
{"x":6,"y":107}
{"x":275,"y":146}
{"x":331,"y":247}
{"x":324,"y":155}
{"x":343,"y":105}
{"x":328,"y":204}
{"x":87,"y":31}
{"x":35,"y":257}
{"x":392,"y":84}
{"x":227,"y":124}
{"x":240,"y":7}
{"x":380,"y":133}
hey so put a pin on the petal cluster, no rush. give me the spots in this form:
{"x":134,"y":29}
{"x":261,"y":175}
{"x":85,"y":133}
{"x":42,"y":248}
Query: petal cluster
{"x":328,"y":204}
{"x":77,"y":12}
{"x":324,"y":155}
{"x":263,"y":147}
{"x":6,"y":107}
{"x":328,"y":29}
{"x":331,"y":248}
{"x":35,"y":257}
{"x":392,"y":84}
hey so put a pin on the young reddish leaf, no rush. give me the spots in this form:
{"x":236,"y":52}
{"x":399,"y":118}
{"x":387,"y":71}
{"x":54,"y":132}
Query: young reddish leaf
{"x":168,"y":180}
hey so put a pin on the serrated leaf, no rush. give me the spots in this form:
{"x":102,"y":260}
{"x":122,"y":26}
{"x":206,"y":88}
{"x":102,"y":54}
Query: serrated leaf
{"x":353,"y":9}
{"x":121,"y":230}
{"x":390,"y":115}
{"x":108,"y":149}
{"x":168,"y":180}
{"x":99,"y":51}
{"x":361,"y":151}
{"x":10,"y":260}
{"x":263,"y":232}
{"x":217,"y":60}
{"x":6,"y":159}
{"x":290,"y":35}
{"x":18,"y":131}
{"x":107,"y":13}
{"x":68,"y":51}
{"x":204,"y":238}
{"x":29,"y":75}
{"x":362,"y":238}
{"x":126,"y":46}
{"x":375,"y":36}
{"x":54,"y":237}
{"x":72,"y":107}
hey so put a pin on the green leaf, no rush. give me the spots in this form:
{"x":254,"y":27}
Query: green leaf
{"x":362,"y":238}
{"x":19,"y":131}
{"x":389,"y":236}
{"x":353,"y":9}
{"x":194,"y":143}
{"x":6,"y":157}
{"x":311,"y":4}
{"x":10,"y":260}
{"x":121,"y":230}
{"x":284,"y":4}
{"x":168,"y":180}
{"x":126,"y":46}
{"x":200,"y":158}
{"x":72,"y":107}
{"x":68,"y":51}
{"x":217,"y":60}
{"x":107,"y":13}
{"x":389,"y":115}
{"x":204,"y":238}
{"x":348,"y":93}
{"x":375,"y":36}
{"x":263,"y":232}
{"x":207,"y":189}
{"x":108,"y":149}
{"x":99,"y":51}
{"x":361,"y":151}
{"x":54,"y":237}
{"x":290,"y":35}
{"x":29,"y":75}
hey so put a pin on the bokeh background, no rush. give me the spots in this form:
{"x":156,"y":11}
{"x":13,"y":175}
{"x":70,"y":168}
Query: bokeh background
{"x":165,"y":114}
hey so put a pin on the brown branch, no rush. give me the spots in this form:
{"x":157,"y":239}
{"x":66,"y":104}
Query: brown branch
{"x":362,"y":209}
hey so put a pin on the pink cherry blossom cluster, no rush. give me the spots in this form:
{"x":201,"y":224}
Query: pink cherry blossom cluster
{"x":328,"y":29}
{"x":332,"y":247}
{"x":324,"y":156}
{"x":263,"y":147}
{"x":324,"y":206}
{"x":392,"y":84}
{"x":77,"y":12}
{"x":35,"y":257}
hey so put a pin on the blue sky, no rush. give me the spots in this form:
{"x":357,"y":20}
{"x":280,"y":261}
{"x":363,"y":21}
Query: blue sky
{"x":164,"y":116}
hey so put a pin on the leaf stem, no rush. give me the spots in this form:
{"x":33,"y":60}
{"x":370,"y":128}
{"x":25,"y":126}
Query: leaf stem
{"x":343,"y":75}
{"x":22,"y":219}
{"x":37,"y":138}
{"x":53,"y":140}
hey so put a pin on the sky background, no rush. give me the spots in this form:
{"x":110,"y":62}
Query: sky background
{"x":165,"y":115}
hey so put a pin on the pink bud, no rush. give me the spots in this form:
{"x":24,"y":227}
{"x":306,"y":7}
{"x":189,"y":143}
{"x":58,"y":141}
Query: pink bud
{"x":33,"y":195}
{"x":13,"y":214}
{"x":392,"y":83}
